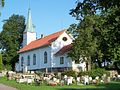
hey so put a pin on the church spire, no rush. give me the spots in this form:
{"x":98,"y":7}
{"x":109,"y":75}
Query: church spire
{"x":29,"y":24}
{"x":29,"y":34}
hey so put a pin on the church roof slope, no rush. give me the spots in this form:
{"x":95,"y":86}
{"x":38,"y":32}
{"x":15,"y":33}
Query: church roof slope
{"x":64,"y":49}
{"x":41,"y":42}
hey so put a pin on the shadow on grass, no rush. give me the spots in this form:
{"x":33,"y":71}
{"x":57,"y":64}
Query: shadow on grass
{"x":110,"y":86}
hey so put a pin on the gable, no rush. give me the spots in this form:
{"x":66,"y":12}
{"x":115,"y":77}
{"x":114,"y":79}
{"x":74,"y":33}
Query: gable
{"x":63,"y":40}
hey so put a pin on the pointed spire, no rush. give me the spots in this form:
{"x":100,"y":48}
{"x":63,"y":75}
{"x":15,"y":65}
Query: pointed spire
{"x":29,"y":24}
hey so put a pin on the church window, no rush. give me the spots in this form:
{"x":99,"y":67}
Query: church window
{"x":64,"y":38}
{"x":61,"y":60}
{"x":45,"y":57}
{"x":22,"y":60}
{"x":34,"y":59}
{"x":28,"y":62}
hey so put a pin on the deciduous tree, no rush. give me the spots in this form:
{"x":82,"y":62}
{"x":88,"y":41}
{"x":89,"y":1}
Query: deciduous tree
{"x":11,"y":39}
{"x":2,"y":2}
{"x":98,"y":30}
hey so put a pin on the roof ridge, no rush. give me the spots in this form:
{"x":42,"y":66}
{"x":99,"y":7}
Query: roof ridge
{"x":52,"y":34}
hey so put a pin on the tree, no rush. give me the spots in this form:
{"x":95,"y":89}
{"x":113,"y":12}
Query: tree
{"x":85,"y":44}
{"x":112,"y":34}
{"x":11,"y":39}
{"x":1,"y":64}
{"x":98,"y":29}
{"x":2,"y":2}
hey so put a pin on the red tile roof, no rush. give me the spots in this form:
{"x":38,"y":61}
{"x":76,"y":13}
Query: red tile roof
{"x":41,"y":42}
{"x":64,"y":49}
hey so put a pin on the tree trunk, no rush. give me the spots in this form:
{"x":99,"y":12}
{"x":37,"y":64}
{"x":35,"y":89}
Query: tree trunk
{"x":88,"y":64}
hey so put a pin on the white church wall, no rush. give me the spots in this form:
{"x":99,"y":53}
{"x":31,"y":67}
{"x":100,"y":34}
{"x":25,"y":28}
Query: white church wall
{"x":39,"y":58}
{"x":55,"y":47}
{"x":31,"y":53}
{"x":67,"y":61}
{"x":41,"y":61}
{"x":59,"y":43}
{"x":19,"y":65}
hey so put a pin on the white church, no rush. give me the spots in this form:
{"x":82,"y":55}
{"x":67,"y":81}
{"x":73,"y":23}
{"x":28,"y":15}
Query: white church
{"x":48,"y":53}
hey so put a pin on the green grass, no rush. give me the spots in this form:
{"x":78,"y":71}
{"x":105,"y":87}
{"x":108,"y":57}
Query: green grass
{"x":110,"y":86}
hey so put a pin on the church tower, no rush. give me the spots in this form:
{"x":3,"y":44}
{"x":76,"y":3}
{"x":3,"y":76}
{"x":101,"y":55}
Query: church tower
{"x":29,"y":34}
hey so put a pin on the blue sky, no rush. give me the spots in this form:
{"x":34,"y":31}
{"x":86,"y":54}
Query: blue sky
{"x":48,"y":16}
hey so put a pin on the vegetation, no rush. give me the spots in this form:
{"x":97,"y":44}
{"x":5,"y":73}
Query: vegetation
{"x":110,"y":86}
{"x":2,"y":2}
{"x":1,"y":64}
{"x":97,"y":35}
{"x":98,"y":72}
{"x":11,"y":39}
{"x":69,"y":73}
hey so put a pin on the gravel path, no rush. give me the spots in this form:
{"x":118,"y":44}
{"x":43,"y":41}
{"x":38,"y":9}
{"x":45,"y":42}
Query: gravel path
{"x":4,"y":87}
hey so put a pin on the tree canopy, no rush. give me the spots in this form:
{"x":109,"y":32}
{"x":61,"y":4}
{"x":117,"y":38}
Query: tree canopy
{"x":98,"y":31}
{"x":11,"y":39}
{"x":2,"y":3}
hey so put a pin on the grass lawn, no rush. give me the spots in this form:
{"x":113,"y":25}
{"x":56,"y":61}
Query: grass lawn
{"x":110,"y":86}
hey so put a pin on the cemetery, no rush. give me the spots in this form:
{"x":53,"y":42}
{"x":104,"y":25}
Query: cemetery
{"x":63,"y":79}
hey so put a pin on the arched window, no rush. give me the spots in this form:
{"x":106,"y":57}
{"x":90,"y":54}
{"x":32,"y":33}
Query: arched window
{"x":22,"y":61}
{"x":61,"y":60}
{"x":28,"y":60}
{"x":34,"y":59}
{"x":45,"y":57}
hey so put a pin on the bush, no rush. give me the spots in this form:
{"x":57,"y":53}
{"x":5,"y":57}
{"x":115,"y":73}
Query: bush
{"x":84,"y":73}
{"x":69,"y":73}
{"x":97,"y":72}
{"x":39,"y":73}
{"x":94,"y":72}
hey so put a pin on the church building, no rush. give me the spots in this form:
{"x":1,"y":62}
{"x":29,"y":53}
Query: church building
{"x":48,"y":53}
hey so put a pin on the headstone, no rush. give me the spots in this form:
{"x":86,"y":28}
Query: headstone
{"x":86,"y":80}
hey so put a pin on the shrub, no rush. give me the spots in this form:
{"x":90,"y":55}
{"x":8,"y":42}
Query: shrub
{"x":97,"y":72}
{"x":84,"y":73}
{"x":94,"y":72}
{"x":69,"y":73}
{"x":39,"y":73}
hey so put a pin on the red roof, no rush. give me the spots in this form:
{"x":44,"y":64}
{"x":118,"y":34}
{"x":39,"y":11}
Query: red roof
{"x":41,"y":42}
{"x":64,"y":49}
